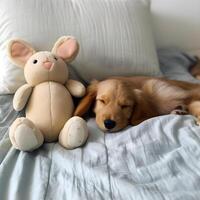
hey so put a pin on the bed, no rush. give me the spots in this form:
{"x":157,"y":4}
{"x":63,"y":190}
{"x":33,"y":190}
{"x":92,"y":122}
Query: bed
{"x":156,"y":160}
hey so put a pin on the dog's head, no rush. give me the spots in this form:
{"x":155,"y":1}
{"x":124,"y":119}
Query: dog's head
{"x":118,"y":103}
{"x":113,"y":103}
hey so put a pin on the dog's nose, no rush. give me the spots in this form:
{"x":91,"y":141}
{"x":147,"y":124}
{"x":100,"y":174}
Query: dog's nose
{"x":109,"y":124}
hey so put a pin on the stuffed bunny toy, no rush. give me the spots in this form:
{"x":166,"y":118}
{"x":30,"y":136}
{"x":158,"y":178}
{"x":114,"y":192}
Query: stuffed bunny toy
{"x":47,"y":97}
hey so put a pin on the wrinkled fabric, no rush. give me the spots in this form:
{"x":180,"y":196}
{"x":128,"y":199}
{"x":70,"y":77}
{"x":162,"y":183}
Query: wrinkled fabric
{"x":156,"y":160}
{"x":175,"y":64}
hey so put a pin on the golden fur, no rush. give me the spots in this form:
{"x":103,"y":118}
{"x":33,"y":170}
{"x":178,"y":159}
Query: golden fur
{"x":195,"y":69}
{"x":131,"y":100}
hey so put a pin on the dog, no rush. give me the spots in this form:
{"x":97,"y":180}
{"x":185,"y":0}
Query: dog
{"x":122,"y":101}
{"x":195,"y":69}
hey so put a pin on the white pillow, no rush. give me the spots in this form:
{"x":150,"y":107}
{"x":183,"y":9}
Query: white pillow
{"x":177,"y":24}
{"x":115,"y":36}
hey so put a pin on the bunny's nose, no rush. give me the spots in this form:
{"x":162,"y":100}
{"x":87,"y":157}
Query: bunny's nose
{"x":47,"y":65}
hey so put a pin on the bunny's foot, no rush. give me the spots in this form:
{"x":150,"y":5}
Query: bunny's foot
{"x":74,"y":134}
{"x":24,"y":135}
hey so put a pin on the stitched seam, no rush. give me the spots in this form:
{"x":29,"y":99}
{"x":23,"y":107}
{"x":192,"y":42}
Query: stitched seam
{"x":50,"y":106}
{"x":108,"y":168}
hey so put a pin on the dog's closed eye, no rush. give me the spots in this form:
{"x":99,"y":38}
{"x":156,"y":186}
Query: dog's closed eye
{"x":101,"y":100}
{"x":125,"y":106}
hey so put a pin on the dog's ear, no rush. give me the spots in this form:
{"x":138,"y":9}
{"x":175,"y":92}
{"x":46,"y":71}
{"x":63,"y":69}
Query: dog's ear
{"x":88,"y":100}
{"x":142,"y":109}
{"x":195,"y":68}
{"x":137,"y":112}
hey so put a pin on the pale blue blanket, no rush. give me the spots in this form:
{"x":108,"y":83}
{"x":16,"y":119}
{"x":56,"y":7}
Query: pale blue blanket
{"x":157,"y":160}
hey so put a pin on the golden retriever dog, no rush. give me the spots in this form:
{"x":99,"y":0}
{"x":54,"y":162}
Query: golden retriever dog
{"x":122,"y":101}
{"x":195,"y":69}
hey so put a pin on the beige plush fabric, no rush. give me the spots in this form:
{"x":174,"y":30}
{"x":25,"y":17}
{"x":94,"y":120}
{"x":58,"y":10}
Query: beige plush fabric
{"x":21,"y":97}
{"x":49,"y":108}
{"x":24,"y":135}
{"x":35,"y":74}
{"x":76,"y":88}
{"x":19,"y":50}
{"x":78,"y":127}
{"x":48,"y":96}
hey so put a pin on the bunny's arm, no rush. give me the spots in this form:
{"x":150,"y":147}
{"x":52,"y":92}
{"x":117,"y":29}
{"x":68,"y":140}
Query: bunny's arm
{"x":21,"y":96}
{"x":76,"y":88}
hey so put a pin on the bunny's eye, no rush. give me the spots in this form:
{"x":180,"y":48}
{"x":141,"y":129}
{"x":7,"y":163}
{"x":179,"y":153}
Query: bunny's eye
{"x":35,"y":61}
{"x":55,"y":58}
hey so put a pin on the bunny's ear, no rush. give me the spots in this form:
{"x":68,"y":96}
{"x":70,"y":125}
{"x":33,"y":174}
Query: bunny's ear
{"x":66,"y":48}
{"x":19,"y":52}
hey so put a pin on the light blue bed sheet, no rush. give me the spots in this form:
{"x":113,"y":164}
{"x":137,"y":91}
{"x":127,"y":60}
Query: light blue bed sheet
{"x":157,"y":160}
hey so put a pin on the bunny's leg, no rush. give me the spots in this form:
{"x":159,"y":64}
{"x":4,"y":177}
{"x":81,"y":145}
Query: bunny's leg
{"x":24,"y":135}
{"x":74,"y":133}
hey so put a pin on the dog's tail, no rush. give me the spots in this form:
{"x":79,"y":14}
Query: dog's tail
{"x":164,"y":96}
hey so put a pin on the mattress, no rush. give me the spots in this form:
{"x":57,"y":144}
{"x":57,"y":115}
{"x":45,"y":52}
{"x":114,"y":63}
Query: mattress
{"x":158,"y":159}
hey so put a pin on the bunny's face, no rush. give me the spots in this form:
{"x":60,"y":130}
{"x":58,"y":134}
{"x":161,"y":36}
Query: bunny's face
{"x":45,"y":66}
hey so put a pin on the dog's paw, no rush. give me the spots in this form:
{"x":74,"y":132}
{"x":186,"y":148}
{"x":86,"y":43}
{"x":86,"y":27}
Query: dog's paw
{"x":180,"y":110}
{"x":197,"y":77}
{"x":197,"y":121}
